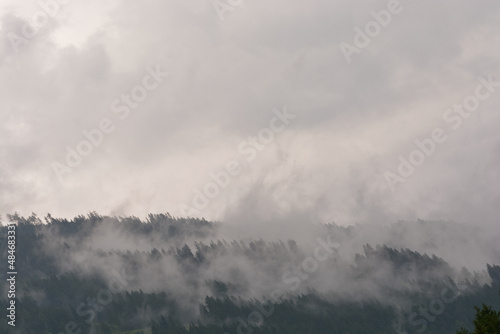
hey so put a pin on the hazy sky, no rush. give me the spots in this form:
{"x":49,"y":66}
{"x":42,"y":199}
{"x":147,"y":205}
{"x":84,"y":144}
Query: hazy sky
{"x":358,"y":94}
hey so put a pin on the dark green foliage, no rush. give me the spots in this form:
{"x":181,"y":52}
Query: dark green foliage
{"x":487,"y":320}
{"x":51,"y":298}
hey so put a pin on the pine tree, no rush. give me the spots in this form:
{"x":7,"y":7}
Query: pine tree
{"x":487,"y":321}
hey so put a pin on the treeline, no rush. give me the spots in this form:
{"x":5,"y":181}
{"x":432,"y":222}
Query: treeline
{"x":313,"y":314}
{"x":308,"y":313}
{"x":56,"y":294}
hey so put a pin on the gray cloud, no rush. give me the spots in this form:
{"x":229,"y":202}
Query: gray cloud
{"x":226,"y":77}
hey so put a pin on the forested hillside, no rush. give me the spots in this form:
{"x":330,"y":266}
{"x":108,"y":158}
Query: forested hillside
{"x":97,"y":274}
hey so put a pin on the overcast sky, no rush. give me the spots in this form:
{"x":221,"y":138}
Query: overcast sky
{"x":355,"y":105}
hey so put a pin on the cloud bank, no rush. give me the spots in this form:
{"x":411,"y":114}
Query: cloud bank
{"x":226,"y":76}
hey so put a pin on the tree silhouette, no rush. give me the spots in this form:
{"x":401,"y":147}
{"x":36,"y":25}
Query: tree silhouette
{"x":487,"y":321}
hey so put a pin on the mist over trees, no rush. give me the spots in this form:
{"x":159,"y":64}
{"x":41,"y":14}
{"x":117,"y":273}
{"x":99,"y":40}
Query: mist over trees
{"x":164,"y":274}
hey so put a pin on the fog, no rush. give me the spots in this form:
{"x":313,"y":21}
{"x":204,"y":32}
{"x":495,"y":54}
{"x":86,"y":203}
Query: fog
{"x":355,"y":263}
{"x":251,"y":150}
